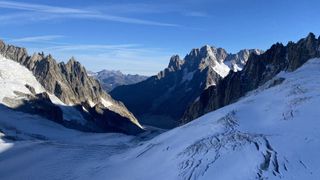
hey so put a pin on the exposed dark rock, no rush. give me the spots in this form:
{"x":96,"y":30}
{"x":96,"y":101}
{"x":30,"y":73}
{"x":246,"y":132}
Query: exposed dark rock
{"x":113,"y":121}
{"x":61,"y":79}
{"x":69,"y":82}
{"x":239,"y":60}
{"x":172,"y":90}
{"x":175,"y":63}
{"x":31,"y":89}
{"x":39,"y":104}
{"x":258,"y":70}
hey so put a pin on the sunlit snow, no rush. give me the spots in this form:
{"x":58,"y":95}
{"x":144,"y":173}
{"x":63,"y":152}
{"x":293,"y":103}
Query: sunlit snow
{"x":272,"y":133}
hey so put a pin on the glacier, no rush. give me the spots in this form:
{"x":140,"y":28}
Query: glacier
{"x":271,"y":133}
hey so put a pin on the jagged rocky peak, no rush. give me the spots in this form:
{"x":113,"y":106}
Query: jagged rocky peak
{"x":75,"y":66}
{"x":209,"y":58}
{"x":197,"y":59}
{"x":311,"y":38}
{"x":243,"y":55}
{"x":303,"y":49}
{"x":13,"y":52}
{"x":219,"y":59}
{"x":175,"y":63}
{"x":73,"y":86}
{"x":213,"y":53}
{"x":237,"y":61}
{"x":258,"y":70}
{"x":216,"y":59}
{"x":37,"y":56}
{"x":180,"y":83}
{"x":205,"y":56}
{"x":69,"y":82}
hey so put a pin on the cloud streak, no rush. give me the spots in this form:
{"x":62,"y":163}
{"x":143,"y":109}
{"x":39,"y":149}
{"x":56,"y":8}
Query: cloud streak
{"x":91,"y":47}
{"x":45,"y":12}
{"x":47,"y":38}
{"x":39,"y":7}
{"x":153,"y":8}
{"x":129,"y":61}
{"x":129,"y":58}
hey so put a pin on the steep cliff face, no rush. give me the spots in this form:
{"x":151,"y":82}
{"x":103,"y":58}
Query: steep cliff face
{"x":71,"y":84}
{"x":172,"y":90}
{"x":258,"y":70}
{"x":237,"y":61}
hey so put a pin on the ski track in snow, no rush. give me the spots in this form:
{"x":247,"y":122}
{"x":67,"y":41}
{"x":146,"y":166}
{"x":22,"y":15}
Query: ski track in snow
{"x":272,"y":133}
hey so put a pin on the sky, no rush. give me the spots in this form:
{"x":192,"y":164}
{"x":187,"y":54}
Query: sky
{"x":139,"y":37}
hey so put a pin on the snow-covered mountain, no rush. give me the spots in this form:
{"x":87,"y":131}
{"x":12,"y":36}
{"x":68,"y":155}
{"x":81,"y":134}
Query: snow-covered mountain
{"x":60,"y":92}
{"x":161,"y":100}
{"x":271,"y":133}
{"x":257,"y":123}
{"x":111,"y":79}
{"x":256,"y":72}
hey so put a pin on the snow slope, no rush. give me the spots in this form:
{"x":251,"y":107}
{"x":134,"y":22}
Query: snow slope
{"x":272,"y":133}
{"x":14,"y":77}
{"x":219,"y":66}
{"x":221,"y":69}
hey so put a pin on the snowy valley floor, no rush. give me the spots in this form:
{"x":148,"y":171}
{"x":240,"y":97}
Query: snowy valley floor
{"x":272,"y":133}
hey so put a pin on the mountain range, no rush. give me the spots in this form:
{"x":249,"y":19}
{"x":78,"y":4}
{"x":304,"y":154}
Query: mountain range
{"x":161,"y":100}
{"x":249,"y":115}
{"x":71,"y":86}
{"x":259,"y":70}
{"x":111,"y":79}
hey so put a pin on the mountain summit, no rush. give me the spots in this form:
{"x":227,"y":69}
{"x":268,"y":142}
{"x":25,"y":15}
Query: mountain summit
{"x":272,"y":132}
{"x":70,"y":84}
{"x":167,"y":95}
{"x":110,"y":79}
{"x":258,"y":70}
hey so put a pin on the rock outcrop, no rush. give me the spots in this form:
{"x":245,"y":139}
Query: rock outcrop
{"x":239,"y":60}
{"x":39,"y":104}
{"x":172,"y":90}
{"x":258,"y":70}
{"x":71,"y":84}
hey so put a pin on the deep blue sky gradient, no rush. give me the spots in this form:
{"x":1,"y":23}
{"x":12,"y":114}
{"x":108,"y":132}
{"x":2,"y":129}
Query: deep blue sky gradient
{"x":140,"y":36}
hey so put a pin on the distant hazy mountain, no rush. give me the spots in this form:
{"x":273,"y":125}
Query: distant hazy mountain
{"x":270,"y":133}
{"x":111,"y":79}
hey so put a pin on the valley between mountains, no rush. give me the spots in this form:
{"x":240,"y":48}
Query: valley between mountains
{"x":208,"y":115}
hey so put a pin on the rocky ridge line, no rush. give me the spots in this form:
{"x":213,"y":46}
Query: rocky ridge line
{"x":74,"y":87}
{"x":258,"y":70}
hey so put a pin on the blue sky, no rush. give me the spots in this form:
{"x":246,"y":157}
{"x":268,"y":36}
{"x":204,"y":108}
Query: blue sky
{"x":140,"y":36}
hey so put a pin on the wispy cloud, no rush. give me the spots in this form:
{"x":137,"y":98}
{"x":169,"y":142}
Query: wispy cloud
{"x":132,"y":61}
{"x":91,"y":47}
{"x":44,"y":12}
{"x":129,"y":58}
{"x":39,"y":7}
{"x":122,"y":19}
{"x":37,"y":39}
{"x":153,"y":8}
